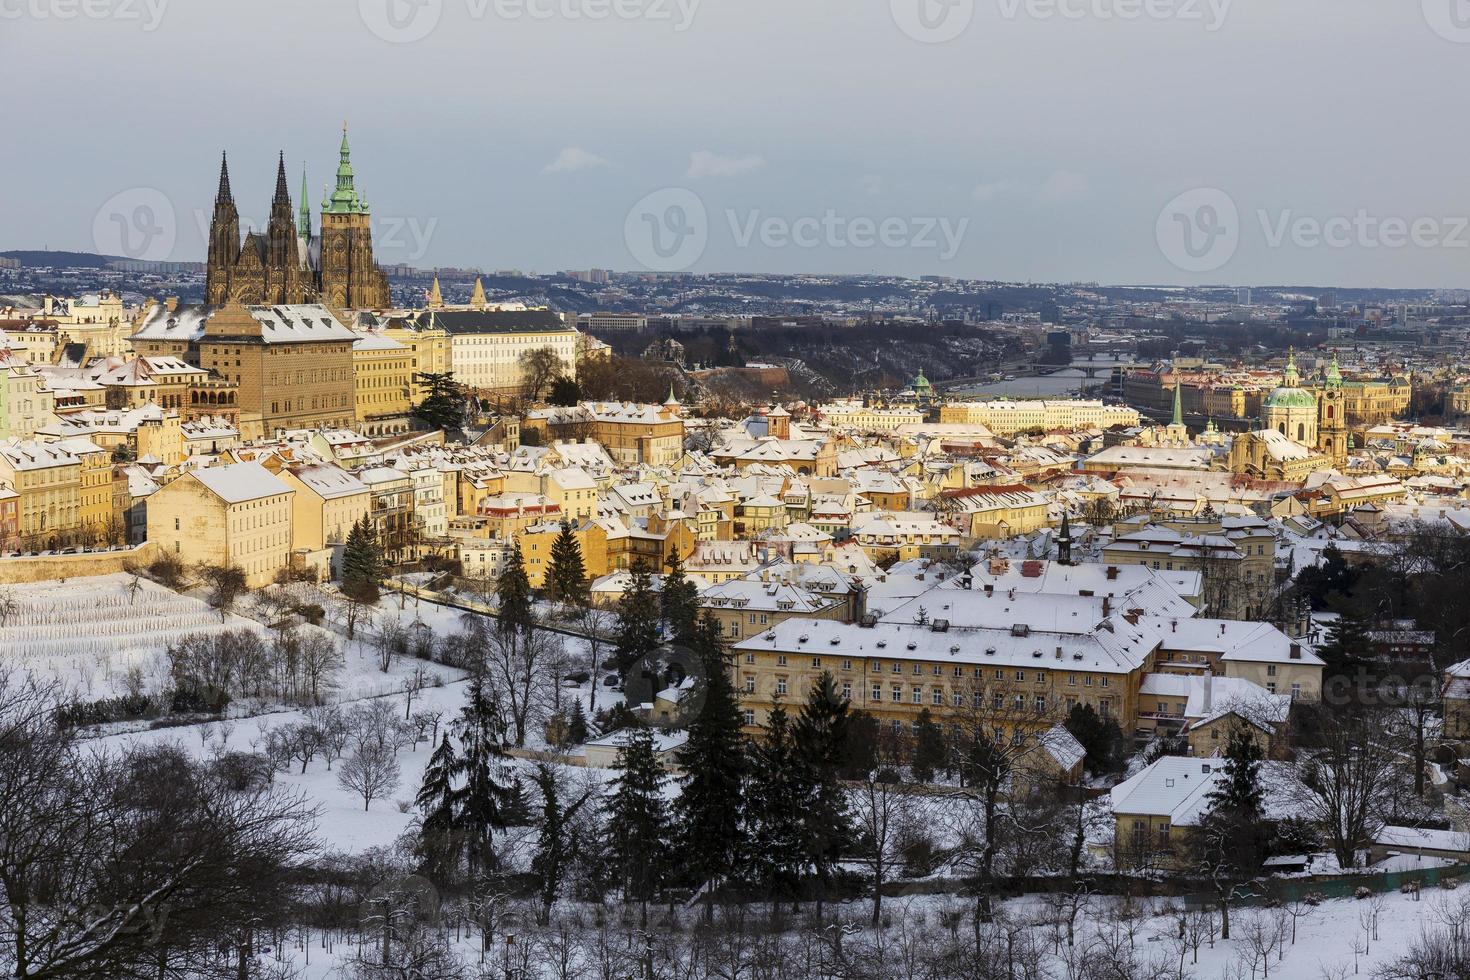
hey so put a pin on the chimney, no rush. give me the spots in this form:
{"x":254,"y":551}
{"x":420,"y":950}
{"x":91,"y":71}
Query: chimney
{"x":1296,"y":651}
{"x":1173,"y":626}
{"x":1107,"y":607}
{"x":1112,"y":573}
{"x":1209,"y":695}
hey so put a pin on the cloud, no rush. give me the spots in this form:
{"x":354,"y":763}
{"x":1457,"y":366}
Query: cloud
{"x":572,"y":159}
{"x":991,"y":191}
{"x":1063,"y":187}
{"x":704,"y":163}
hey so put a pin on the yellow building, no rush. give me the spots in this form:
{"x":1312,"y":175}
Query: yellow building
{"x":428,"y":347}
{"x":47,"y":477}
{"x":328,"y":501}
{"x":95,"y":514}
{"x":1008,"y":418}
{"x":382,"y":384}
{"x":237,"y":515}
{"x":651,"y":435}
{"x":992,"y":512}
{"x":535,"y":544}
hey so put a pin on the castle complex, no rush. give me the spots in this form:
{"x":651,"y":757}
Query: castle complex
{"x":287,"y":264}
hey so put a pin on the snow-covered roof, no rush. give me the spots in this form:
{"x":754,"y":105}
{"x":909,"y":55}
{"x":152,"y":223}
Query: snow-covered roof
{"x":237,"y":482}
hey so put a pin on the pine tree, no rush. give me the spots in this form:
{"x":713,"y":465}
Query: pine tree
{"x":1240,"y":792}
{"x":444,"y":403}
{"x":678,"y":599}
{"x":482,"y":801}
{"x":775,"y":803}
{"x":566,"y":577}
{"x":436,"y":801}
{"x":556,"y":847}
{"x":711,"y":807}
{"x":362,"y":563}
{"x":638,"y":615}
{"x":513,"y":595}
{"x":638,"y":820}
{"x":577,"y":724}
{"x":822,"y":737}
{"x":929,"y":748}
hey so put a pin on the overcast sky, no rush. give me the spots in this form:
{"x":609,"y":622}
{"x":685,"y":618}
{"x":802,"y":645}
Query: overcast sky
{"x":999,"y":139}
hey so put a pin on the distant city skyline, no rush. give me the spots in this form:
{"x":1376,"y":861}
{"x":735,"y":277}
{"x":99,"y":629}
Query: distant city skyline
{"x":1233,"y":147}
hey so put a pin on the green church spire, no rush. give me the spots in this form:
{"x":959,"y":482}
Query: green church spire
{"x":344,"y":199}
{"x":1178,"y":405}
{"x":303,"y":216}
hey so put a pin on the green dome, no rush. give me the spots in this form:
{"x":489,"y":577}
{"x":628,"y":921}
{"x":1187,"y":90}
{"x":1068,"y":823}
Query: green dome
{"x":1290,"y":398}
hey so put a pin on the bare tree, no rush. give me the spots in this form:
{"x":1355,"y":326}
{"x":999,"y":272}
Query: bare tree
{"x":1342,"y":784}
{"x":9,"y":606}
{"x":882,"y":808}
{"x":518,"y":667}
{"x":370,"y":773}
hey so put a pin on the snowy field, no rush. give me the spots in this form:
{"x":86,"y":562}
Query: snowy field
{"x":98,"y":638}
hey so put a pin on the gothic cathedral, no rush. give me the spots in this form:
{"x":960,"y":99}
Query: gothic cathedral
{"x":287,"y":264}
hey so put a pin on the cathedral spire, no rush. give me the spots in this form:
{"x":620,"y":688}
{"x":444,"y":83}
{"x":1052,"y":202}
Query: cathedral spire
{"x":224,"y":193}
{"x":477,"y":299}
{"x":436,"y":298}
{"x":1178,"y":405}
{"x":303,"y":215}
{"x":282,"y":192}
{"x":344,"y":199}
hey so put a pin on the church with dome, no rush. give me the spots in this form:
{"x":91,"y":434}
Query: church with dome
{"x":1302,"y":429}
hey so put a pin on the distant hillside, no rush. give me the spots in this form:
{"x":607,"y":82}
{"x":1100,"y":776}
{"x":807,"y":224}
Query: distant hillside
{"x":63,"y":260}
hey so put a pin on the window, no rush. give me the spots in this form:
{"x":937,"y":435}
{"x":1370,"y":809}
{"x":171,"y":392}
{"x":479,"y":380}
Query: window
{"x":750,"y":658}
{"x":780,"y":685}
{"x":897,"y":694}
{"x":816,"y":661}
{"x":918,"y":669}
{"x":1296,"y":691}
{"x":847,"y":665}
{"x":749,"y":716}
{"x":847,"y":690}
{"x":781,"y":660}
{"x":937,"y":696}
{"x":917,"y":695}
{"x":1020,"y":675}
{"x":749,"y":684}
{"x":877,"y":693}
{"x":1270,"y":670}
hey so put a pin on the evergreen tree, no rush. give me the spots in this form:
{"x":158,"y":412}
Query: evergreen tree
{"x":436,"y":801}
{"x":930,"y":750}
{"x":1101,"y":738}
{"x":711,"y":807}
{"x":577,"y":724}
{"x":860,"y":747}
{"x":565,"y":392}
{"x":513,"y":595}
{"x":1240,"y":792}
{"x":775,"y":806}
{"x":482,"y":802}
{"x":566,"y":577}
{"x":362,"y":563}
{"x":1347,"y":639}
{"x":638,"y":820}
{"x":444,"y":401}
{"x":678,"y":599}
{"x":556,"y":846}
{"x":638,"y":614}
{"x":822,"y":736}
